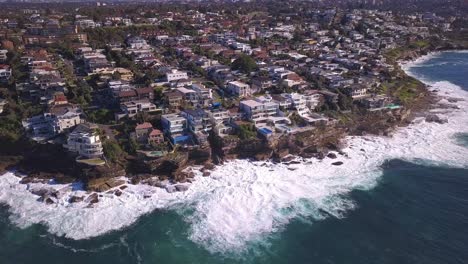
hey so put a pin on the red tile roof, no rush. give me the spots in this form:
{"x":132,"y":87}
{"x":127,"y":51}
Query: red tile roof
{"x":144,"y":125}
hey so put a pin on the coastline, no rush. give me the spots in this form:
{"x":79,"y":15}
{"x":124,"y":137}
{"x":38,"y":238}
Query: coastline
{"x":136,"y":200}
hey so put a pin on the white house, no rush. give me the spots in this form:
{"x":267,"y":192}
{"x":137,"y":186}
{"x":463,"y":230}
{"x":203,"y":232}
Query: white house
{"x":5,"y":73}
{"x":175,"y":75}
{"x":260,"y":109}
{"x":239,"y":89}
{"x":84,"y":141}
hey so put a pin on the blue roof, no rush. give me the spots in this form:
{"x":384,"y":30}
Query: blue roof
{"x":265,"y":131}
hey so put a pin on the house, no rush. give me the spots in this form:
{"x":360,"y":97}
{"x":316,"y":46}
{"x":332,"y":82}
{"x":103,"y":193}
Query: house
{"x":221,"y":121}
{"x":375,"y":102}
{"x":85,"y":141}
{"x":197,"y":120}
{"x":239,"y":89}
{"x":173,"y":124}
{"x":261,"y":83}
{"x":175,"y":75}
{"x":146,"y":134}
{"x":142,"y":131}
{"x":131,"y":108}
{"x":5,"y":73}
{"x":3,"y":55}
{"x":175,"y":128}
{"x":292,"y":79}
{"x":196,"y":95}
{"x":356,"y":91}
{"x":199,"y":124}
{"x":173,"y":99}
{"x":260,"y":109}
{"x":56,"y":120}
{"x":137,"y":43}
{"x":155,"y":137}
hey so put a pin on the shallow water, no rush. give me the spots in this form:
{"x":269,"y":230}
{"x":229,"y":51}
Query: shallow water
{"x":398,"y":200}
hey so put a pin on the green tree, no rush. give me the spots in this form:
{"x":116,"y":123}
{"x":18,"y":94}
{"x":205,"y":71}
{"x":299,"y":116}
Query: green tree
{"x":245,"y":64}
{"x":112,"y":151}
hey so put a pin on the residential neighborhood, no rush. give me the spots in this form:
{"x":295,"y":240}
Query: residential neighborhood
{"x":150,"y":81}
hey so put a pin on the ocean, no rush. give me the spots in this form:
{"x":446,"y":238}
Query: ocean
{"x":402,"y":199}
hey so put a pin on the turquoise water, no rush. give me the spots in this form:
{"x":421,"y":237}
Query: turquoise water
{"x":415,"y":214}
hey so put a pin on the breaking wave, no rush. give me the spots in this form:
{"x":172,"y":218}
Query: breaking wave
{"x":244,"y":202}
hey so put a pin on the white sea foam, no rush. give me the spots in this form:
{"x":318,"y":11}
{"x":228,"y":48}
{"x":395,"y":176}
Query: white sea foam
{"x":245,"y":201}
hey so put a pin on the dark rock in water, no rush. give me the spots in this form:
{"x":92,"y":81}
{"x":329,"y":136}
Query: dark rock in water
{"x":160,"y":184}
{"x":320,"y":155}
{"x":332,"y":156}
{"x":170,"y":188}
{"x":40,"y":192}
{"x":118,"y":192}
{"x":93,"y":198}
{"x":363,"y":150}
{"x":436,"y":119}
{"x":287,"y":159}
{"x":307,"y":155}
{"x":181,"y":188}
{"x":208,"y":166}
{"x":338,"y":163}
{"x":292,"y":169}
{"x":76,"y":199}
{"x":123,"y":187}
{"x":28,"y":179}
{"x":206,"y":173}
{"x":46,"y":195}
{"x":48,"y":200}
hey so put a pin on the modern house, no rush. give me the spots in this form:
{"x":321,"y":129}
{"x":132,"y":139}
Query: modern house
{"x":175,"y":128}
{"x":132,"y":108}
{"x":260,"y":109}
{"x":85,"y":141}
{"x":57,"y":120}
{"x":175,"y":75}
{"x":5,"y":73}
{"x":239,"y":89}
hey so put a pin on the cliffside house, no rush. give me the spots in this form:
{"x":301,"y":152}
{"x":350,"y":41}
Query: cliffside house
{"x":85,"y":141}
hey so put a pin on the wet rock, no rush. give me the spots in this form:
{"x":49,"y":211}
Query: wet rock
{"x":338,"y":163}
{"x":288,"y":159}
{"x":76,"y":199}
{"x":332,"y":156}
{"x":206,"y":173}
{"x":181,"y":188}
{"x":123,"y":187}
{"x":170,"y":188}
{"x":292,"y":169}
{"x":28,"y":179}
{"x":161,"y":184}
{"x":93,"y":198}
{"x":48,"y":200}
{"x":118,"y":192}
{"x":103,"y":184}
{"x":436,"y":119}
{"x":40,"y":191}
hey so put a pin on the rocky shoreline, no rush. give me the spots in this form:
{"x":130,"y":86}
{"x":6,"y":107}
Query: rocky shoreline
{"x":173,"y":172}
